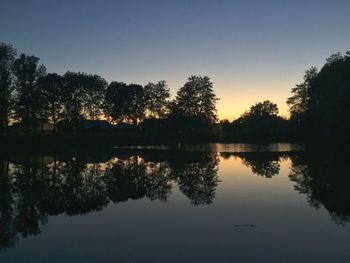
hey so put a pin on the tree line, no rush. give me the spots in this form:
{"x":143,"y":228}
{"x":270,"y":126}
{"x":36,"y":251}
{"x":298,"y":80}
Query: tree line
{"x":29,"y":96}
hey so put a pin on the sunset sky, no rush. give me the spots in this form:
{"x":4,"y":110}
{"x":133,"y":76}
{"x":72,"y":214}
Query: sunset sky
{"x":252,"y":50}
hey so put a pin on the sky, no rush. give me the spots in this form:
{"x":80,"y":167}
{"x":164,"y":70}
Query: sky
{"x":252,"y":50}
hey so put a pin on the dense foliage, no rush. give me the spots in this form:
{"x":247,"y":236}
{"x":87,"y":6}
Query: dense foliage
{"x":7,"y":57}
{"x":320,"y":105}
{"x":260,"y":123}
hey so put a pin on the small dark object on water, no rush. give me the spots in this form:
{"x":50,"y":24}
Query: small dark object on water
{"x":245,"y":225}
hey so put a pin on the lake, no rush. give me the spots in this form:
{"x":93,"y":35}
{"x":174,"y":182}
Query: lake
{"x":190,"y":203}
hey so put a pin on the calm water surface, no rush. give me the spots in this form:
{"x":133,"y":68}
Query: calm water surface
{"x":196,"y":203}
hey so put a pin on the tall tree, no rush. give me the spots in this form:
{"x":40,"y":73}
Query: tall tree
{"x":7,"y":57}
{"x":321,"y":103}
{"x":95,"y":90}
{"x":125,"y":103}
{"x":29,"y":98}
{"x":197,"y":99}
{"x":330,"y":96}
{"x":299,"y":102}
{"x":73,"y":98}
{"x":156,"y":99}
{"x":83,"y":96}
{"x":52,"y":88}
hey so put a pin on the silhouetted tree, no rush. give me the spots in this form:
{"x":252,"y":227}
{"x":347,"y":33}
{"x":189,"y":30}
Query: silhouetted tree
{"x":197,"y":99}
{"x":95,"y":90}
{"x":125,"y":103}
{"x":52,"y":88}
{"x":29,"y":99}
{"x":7,"y":57}
{"x":330,"y":97}
{"x":299,"y":102}
{"x":83,"y":97}
{"x":260,"y":123}
{"x":156,"y":99}
{"x":262,"y":109}
{"x":320,"y":105}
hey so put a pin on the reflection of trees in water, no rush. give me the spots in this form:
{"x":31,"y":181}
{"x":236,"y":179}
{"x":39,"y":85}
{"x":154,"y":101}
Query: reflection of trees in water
{"x":264,"y":168}
{"x":198,"y":180}
{"x":134,"y":178}
{"x":325,"y":181}
{"x":265,"y":164}
{"x":8,"y":232}
{"x":33,"y":189}
{"x":19,"y":211}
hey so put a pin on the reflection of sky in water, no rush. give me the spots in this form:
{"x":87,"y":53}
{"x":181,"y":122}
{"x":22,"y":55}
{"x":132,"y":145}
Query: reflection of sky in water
{"x":285,"y":227}
{"x":223,"y":147}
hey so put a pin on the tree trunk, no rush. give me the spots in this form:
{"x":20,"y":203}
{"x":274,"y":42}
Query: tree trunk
{"x":4,"y":168}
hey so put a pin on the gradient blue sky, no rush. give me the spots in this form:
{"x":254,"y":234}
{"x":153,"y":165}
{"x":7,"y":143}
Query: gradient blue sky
{"x":252,"y":50}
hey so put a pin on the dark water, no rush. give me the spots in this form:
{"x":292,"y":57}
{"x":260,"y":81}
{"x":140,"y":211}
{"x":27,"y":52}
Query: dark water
{"x":206,"y":203}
